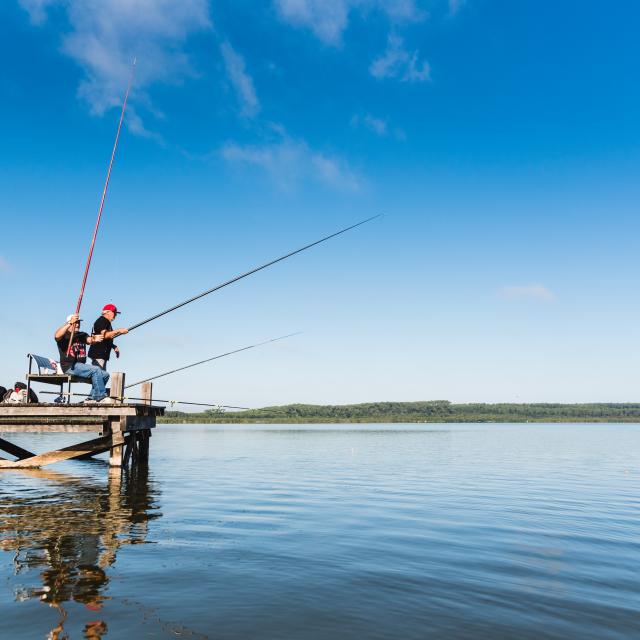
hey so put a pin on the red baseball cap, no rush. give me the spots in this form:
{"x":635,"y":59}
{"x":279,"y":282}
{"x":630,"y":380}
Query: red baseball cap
{"x":111,"y":307}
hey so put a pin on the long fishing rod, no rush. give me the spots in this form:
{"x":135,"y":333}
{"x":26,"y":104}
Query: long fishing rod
{"x":104,"y":195}
{"x":199,"y":404}
{"x":222,"y":355}
{"x":172,"y":402}
{"x":252,"y":271}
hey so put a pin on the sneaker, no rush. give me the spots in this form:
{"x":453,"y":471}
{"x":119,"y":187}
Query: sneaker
{"x":107,"y":400}
{"x":90,"y":401}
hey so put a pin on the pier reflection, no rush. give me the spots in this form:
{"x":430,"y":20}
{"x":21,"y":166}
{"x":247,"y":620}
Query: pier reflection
{"x":69,"y":530}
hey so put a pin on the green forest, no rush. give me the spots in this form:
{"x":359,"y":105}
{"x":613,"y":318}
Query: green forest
{"x":428,"y":411}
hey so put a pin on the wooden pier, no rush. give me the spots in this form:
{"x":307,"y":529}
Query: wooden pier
{"x":124,"y":429}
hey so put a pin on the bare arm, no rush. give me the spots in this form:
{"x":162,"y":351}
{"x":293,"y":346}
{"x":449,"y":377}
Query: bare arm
{"x":109,"y":335}
{"x":68,"y":326}
{"x":60,"y":331}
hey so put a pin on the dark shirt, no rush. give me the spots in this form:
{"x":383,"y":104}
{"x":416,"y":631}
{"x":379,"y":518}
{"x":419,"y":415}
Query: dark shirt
{"x":101,"y":350}
{"x":78,"y":351}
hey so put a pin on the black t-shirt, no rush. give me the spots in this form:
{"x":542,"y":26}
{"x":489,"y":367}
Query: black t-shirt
{"x":101,"y":350}
{"x":78,"y":349}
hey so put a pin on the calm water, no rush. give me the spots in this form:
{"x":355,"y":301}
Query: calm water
{"x":428,"y":531}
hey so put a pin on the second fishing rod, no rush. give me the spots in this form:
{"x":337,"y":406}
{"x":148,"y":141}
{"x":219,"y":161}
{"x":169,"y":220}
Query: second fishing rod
{"x":248,"y":273}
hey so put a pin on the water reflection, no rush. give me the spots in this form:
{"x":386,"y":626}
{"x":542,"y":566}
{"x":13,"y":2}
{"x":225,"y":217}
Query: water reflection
{"x":68,"y":530}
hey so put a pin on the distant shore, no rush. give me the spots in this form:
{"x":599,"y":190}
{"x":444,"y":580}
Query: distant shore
{"x":414,"y":412}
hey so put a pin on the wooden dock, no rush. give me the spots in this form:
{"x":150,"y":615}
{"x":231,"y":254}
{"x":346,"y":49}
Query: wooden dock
{"x":123,"y":429}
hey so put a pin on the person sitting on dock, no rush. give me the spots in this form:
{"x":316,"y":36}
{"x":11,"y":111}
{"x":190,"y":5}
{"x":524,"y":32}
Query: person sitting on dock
{"x":75,"y":363}
{"x":99,"y":352}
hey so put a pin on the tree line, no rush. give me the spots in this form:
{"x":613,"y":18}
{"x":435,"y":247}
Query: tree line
{"x":427,"y":411}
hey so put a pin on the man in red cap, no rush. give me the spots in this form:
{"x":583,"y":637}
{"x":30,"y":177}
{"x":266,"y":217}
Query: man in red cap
{"x":99,"y":352}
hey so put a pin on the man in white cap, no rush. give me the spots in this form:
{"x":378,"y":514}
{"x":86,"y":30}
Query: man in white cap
{"x":99,"y":352}
{"x":75,"y":363}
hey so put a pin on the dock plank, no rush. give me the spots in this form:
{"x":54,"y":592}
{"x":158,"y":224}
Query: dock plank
{"x":78,"y":410}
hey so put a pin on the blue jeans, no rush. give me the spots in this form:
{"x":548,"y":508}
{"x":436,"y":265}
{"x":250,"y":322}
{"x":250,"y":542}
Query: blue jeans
{"x":97,"y":375}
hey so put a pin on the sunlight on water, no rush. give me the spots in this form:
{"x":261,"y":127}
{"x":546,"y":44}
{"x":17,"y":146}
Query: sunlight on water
{"x":427,"y":531}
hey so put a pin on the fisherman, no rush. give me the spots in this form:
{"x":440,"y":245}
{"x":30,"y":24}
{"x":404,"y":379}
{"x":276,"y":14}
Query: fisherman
{"x":99,"y":352}
{"x":75,"y":363}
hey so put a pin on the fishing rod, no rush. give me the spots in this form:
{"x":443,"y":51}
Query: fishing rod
{"x":222,"y":355}
{"x":172,"y":402}
{"x":104,"y":195}
{"x":199,"y":404}
{"x":252,"y":271}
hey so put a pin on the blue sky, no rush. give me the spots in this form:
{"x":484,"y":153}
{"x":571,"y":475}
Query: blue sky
{"x":500,"y":139}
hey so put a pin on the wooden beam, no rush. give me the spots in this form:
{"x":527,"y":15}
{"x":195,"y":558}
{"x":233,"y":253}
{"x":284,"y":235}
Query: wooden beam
{"x":135,"y":423}
{"x":107,"y":447}
{"x":68,"y":453}
{"x":10,"y":420}
{"x":34,"y":410}
{"x":15,"y":450}
{"x":46,"y":428}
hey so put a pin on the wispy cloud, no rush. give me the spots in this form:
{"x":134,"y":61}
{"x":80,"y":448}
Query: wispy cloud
{"x":328,"y":19}
{"x":289,"y":162}
{"x":379,"y":126}
{"x":531,"y":291}
{"x":37,"y":9}
{"x":104,"y":37}
{"x":240,"y":79}
{"x":398,"y":62}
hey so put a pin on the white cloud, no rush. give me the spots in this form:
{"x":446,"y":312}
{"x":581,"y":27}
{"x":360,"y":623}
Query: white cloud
{"x":289,"y":162}
{"x":328,"y":19}
{"x":377,"y":125}
{"x":532,"y":291}
{"x":37,"y":9}
{"x":397,"y":62}
{"x":240,"y":79}
{"x":104,"y":37}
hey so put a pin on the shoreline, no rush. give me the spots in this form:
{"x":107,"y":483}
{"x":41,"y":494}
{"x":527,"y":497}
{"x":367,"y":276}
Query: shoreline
{"x":426,"y":412}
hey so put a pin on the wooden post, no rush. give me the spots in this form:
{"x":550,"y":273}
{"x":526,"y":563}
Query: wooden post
{"x":117,"y":440}
{"x":142,"y":437}
{"x":144,"y":445}
{"x":146,"y":390}
{"x":127,"y":450}
{"x":116,"y":388}
{"x":116,"y":391}
{"x":134,"y":448}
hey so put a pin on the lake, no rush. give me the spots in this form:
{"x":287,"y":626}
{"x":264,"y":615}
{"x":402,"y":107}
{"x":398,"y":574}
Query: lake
{"x":330,"y":531}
